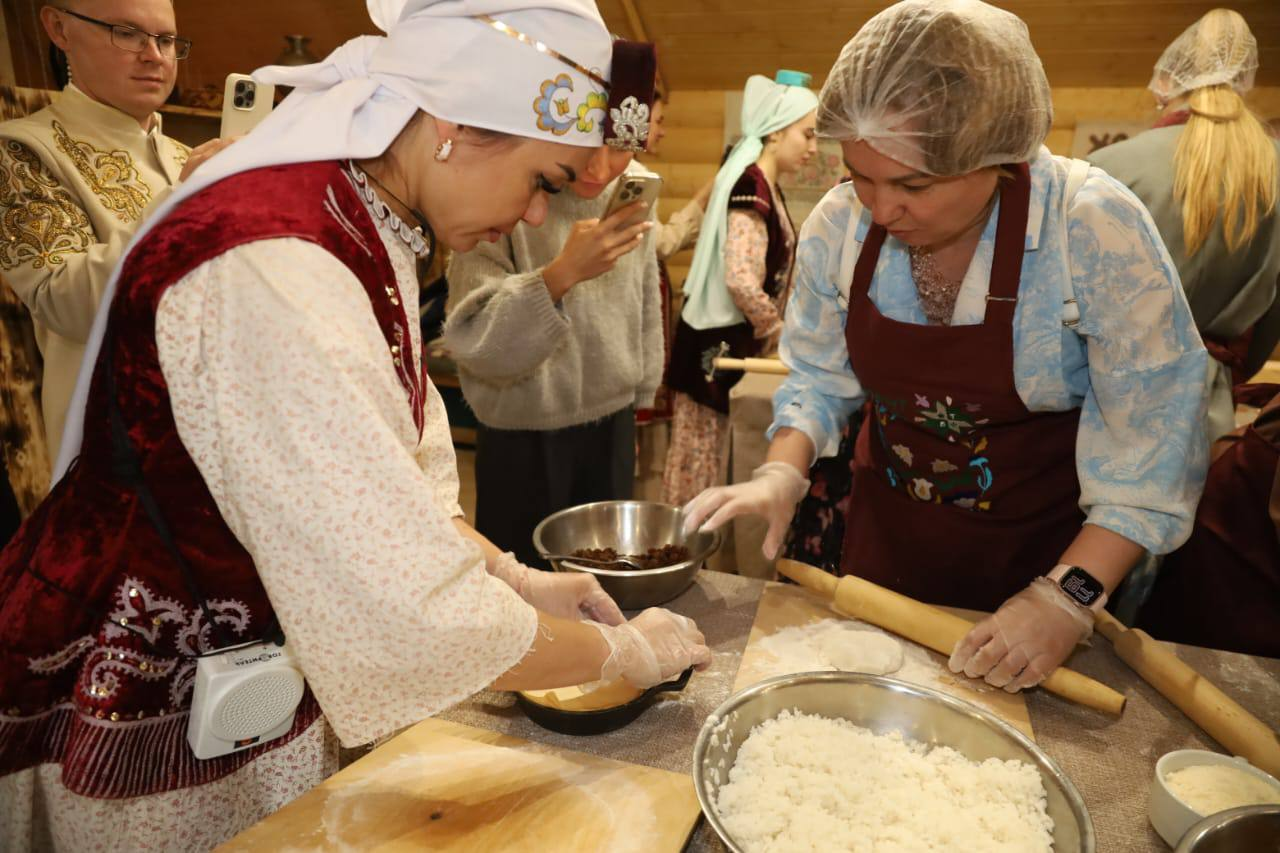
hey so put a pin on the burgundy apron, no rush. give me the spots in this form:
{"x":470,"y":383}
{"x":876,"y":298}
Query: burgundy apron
{"x":961,"y":495}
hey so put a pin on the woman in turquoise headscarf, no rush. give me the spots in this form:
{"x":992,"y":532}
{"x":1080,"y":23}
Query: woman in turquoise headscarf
{"x":741,"y":273}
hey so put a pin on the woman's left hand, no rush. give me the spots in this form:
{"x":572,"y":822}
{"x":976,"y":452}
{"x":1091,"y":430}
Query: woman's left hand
{"x":1025,"y":640}
{"x":568,"y":595}
{"x":203,"y":152}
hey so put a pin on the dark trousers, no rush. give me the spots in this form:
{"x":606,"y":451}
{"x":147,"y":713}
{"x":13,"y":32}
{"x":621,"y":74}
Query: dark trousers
{"x":522,"y":476}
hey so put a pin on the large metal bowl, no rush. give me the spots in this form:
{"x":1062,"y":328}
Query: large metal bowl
{"x":882,"y":705}
{"x":628,"y":527}
{"x":1235,"y":831}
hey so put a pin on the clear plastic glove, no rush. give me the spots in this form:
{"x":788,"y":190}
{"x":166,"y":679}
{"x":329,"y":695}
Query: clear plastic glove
{"x":568,"y":595}
{"x":1026,"y":639}
{"x":654,"y":647}
{"x":772,"y":493}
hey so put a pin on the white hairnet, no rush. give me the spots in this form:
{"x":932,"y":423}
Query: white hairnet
{"x":943,"y":86}
{"x":1217,"y":49}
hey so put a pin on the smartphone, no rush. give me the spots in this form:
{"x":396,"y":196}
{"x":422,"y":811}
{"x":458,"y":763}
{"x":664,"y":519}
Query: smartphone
{"x":639,"y":186}
{"x":244,"y":104}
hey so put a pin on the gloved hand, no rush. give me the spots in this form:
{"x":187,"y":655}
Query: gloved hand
{"x":654,"y":647}
{"x":772,"y":492}
{"x":1026,"y":639}
{"x":568,"y":595}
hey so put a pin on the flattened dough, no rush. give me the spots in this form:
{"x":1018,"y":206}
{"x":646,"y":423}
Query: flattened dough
{"x":861,"y":651}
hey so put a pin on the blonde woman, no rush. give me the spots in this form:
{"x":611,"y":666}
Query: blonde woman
{"x":1208,"y":172}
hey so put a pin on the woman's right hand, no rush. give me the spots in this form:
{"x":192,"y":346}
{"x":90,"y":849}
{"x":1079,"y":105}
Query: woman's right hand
{"x":654,"y":647}
{"x":593,"y":247}
{"x":772,"y":493}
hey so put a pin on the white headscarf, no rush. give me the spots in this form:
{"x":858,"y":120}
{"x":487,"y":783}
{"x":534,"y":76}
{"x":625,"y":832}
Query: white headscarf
{"x":766,"y":106}
{"x":437,"y":57}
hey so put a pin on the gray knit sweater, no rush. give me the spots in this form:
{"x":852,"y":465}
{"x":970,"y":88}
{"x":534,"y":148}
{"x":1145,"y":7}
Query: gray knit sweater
{"x":525,"y":362}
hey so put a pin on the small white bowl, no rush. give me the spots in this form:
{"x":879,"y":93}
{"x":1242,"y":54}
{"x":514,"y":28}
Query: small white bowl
{"x":1170,"y":816}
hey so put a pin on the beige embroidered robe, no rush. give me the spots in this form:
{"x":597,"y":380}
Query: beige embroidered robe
{"x":76,"y":178}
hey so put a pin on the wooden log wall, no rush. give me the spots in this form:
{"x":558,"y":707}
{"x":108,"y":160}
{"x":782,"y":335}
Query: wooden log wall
{"x":695,"y":136}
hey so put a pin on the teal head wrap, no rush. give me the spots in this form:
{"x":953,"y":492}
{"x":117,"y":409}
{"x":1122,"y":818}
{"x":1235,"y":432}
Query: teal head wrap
{"x":767,"y":105}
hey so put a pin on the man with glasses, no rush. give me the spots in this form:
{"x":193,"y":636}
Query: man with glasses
{"x":77,"y":177}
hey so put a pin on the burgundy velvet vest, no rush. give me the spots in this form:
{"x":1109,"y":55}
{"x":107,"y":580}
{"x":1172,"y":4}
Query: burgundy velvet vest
{"x":97,"y":629}
{"x":693,"y":349}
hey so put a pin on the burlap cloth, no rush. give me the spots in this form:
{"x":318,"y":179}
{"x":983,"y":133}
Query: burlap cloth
{"x":1110,"y":761}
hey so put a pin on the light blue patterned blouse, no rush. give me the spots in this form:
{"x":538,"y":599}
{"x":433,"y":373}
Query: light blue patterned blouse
{"x":1134,"y":364}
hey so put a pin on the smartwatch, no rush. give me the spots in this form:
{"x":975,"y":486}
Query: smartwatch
{"x":1080,"y":586}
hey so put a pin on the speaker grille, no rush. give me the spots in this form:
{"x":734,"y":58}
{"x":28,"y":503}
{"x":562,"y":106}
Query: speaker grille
{"x":259,"y":705}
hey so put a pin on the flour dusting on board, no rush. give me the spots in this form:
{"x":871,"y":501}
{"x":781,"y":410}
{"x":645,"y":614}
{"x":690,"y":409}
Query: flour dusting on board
{"x":848,"y":645}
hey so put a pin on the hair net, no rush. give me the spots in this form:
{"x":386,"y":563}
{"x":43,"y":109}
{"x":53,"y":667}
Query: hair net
{"x":1217,"y":49}
{"x":943,"y":86}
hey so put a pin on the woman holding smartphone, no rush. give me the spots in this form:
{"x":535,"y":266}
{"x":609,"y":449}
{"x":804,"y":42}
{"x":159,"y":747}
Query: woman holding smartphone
{"x":741,"y":273}
{"x":257,"y":446}
{"x":557,"y":334}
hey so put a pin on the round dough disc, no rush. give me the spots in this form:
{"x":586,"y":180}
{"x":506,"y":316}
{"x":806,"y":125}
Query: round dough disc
{"x":862,"y":651}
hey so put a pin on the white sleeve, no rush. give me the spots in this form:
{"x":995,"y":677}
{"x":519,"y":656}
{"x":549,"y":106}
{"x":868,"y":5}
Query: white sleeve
{"x":285,"y":396}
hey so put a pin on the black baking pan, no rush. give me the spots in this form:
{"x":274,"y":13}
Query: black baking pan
{"x":603,"y":720}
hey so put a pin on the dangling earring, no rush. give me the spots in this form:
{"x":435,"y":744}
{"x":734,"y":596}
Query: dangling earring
{"x":443,"y":150}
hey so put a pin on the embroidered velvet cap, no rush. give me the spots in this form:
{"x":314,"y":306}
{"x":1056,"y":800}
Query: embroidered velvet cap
{"x":631,"y":93}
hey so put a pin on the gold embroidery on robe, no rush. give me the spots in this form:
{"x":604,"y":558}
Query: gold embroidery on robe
{"x":40,"y":222}
{"x":181,"y":154}
{"x":111,"y":174}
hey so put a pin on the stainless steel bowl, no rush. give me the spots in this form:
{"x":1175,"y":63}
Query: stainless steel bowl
{"x":882,"y":705}
{"x":1235,"y":831}
{"x":628,"y":527}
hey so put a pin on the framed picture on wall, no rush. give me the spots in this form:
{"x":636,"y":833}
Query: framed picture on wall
{"x":1092,"y":135}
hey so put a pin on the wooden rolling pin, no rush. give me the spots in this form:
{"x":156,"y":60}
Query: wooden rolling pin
{"x":1218,"y":714}
{"x":934,"y":628}
{"x":752,"y":365}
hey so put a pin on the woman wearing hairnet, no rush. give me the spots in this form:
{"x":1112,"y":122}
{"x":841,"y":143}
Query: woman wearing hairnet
{"x":1034,"y":383}
{"x":1210,"y":174}
{"x":261,"y":448}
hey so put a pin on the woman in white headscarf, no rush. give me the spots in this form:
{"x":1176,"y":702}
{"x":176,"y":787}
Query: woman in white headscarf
{"x":740,"y":277}
{"x":1033,"y":381}
{"x":255,"y":450}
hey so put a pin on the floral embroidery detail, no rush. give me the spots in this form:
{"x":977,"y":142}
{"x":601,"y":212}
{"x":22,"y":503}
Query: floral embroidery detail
{"x":63,"y":657}
{"x":109,"y":663}
{"x":595,"y":102}
{"x":111,"y":175}
{"x":181,"y":154}
{"x":946,"y":419}
{"x":942,"y":480}
{"x":194,"y":636}
{"x":922,"y":489}
{"x":630,"y":125}
{"x":40,"y":222}
{"x":142,"y":613}
{"x":140,"y":616}
{"x":554,"y":109}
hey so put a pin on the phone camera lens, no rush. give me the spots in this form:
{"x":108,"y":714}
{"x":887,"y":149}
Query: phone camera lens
{"x":238,"y":100}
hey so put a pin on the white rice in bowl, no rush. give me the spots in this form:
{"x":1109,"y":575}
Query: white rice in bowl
{"x":810,"y":783}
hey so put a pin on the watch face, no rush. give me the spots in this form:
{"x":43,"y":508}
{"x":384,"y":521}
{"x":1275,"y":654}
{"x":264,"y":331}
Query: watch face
{"x":1081,"y":586}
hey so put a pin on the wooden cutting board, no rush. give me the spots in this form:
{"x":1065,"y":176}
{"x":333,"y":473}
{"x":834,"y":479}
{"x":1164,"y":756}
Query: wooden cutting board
{"x":445,"y":786}
{"x":787,"y":605}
